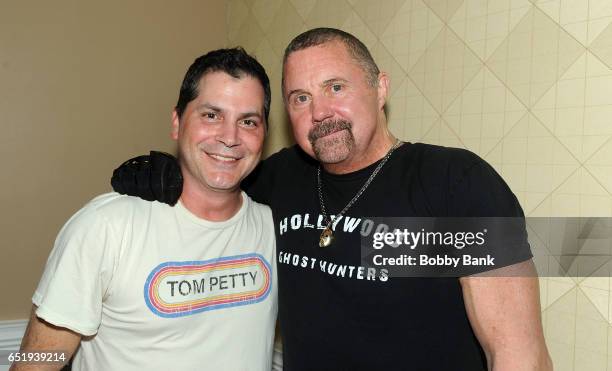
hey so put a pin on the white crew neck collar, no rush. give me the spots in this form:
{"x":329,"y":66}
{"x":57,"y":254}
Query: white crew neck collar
{"x":183,"y":211}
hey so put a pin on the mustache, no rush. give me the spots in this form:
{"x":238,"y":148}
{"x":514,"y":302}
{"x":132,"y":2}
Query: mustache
{"x":328,"y":127}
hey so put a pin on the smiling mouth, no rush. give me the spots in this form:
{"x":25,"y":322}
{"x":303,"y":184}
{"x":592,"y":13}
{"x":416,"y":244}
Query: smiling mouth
{"x":222,"y":158}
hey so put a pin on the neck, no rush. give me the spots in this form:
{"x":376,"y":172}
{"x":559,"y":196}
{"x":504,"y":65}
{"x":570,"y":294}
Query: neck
{"x":211,"y":205}
{"x":370,"y":152}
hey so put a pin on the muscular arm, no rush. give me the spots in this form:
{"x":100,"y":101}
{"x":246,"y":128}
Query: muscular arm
{"x":42,"y":336}
{"x":505,"y":315}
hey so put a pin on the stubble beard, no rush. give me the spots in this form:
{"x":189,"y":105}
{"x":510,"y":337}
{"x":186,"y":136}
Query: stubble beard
{"x":332,"y":150}
{"x":205,"y":176}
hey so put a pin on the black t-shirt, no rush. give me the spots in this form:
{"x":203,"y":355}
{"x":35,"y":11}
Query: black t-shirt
{"x":337,"y":315}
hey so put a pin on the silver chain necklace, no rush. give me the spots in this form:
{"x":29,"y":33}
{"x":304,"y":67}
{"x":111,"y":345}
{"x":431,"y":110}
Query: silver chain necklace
{"x":327,"y":235}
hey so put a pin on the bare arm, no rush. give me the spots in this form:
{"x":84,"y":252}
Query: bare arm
{"x":505,"y":315}
{"x":43,"y":336}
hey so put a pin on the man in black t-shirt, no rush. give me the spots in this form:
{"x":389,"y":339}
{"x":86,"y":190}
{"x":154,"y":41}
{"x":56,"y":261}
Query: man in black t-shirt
{"x":336,"y":313}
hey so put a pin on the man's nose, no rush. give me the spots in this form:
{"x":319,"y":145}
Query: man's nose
{"x":228,"y":134}
{"x":321,"y":109}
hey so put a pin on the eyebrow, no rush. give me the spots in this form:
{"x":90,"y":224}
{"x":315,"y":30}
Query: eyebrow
{"x":209,"y":106}
{"x":324,"y":83}
{"x":332,"y":80}
{"x":218,"y":109}
{"x":250,"y":114}
{"x":295,"y":91}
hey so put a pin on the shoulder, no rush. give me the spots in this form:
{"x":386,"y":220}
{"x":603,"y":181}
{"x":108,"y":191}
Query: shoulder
{"x":428,"y":155}
{"x":259,"y":210}
{"x":438,"y":167}
{"x":456,"y":181}
{"x":114,"y":205}
{"x":108,"y":209}
{"x":92,"y":231}
{"x":459,"y":166}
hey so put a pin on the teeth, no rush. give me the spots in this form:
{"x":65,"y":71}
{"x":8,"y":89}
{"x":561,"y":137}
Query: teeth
{"x":221,"y":158}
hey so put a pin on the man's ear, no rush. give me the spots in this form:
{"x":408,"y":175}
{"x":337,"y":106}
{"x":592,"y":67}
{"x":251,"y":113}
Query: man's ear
{"x":383,"y":89}
{"x":175,"y":125}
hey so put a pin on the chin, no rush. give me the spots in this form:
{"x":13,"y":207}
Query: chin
{"x":224,"y":187}
{"x":331,"y":158}
{"x":224,"y":184}
{"x":332,"y":154}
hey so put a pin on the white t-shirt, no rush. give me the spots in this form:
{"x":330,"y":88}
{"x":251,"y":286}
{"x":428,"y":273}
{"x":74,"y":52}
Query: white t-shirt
{"x":154,"y":287}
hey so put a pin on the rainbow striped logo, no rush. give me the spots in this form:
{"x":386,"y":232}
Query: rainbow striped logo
{"x":176,"y":289}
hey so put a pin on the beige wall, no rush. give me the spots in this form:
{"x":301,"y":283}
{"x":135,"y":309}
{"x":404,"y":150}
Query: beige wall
{"x":83,"y":86}
{"x":525,"y":84}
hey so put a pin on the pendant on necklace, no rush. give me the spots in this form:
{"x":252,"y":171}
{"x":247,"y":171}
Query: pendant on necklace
{"x":326,"y":237}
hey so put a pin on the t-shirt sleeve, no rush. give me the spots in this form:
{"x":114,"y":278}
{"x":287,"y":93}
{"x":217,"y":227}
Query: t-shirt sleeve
{"x":77,"y":274}
{"x":480,"y":192}
{"x":477,"y":191}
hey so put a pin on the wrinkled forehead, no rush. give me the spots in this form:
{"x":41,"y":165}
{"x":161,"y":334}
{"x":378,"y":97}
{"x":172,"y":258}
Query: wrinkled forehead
{"x":330,"y":59}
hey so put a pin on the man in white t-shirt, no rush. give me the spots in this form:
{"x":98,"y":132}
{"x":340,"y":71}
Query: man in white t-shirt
{"x":134,"y":285}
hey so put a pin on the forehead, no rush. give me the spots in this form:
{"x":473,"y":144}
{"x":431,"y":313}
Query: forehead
{"x":219,"y":86}
{"x":321,"y":62}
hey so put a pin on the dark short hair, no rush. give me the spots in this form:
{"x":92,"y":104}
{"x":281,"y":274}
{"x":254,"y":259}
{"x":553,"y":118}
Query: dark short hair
{"x":235,"y":62}
{"x":355,"y":47}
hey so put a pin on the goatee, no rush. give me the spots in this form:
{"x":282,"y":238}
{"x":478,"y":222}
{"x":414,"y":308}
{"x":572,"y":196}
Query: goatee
{"x":334,"y":149}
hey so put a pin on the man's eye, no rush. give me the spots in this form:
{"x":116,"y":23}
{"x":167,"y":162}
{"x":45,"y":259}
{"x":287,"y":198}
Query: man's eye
{"x":336,"y":88}
{"x":210,"y":115}
{"x":249,"y":123}
{"x":301,"y":99}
